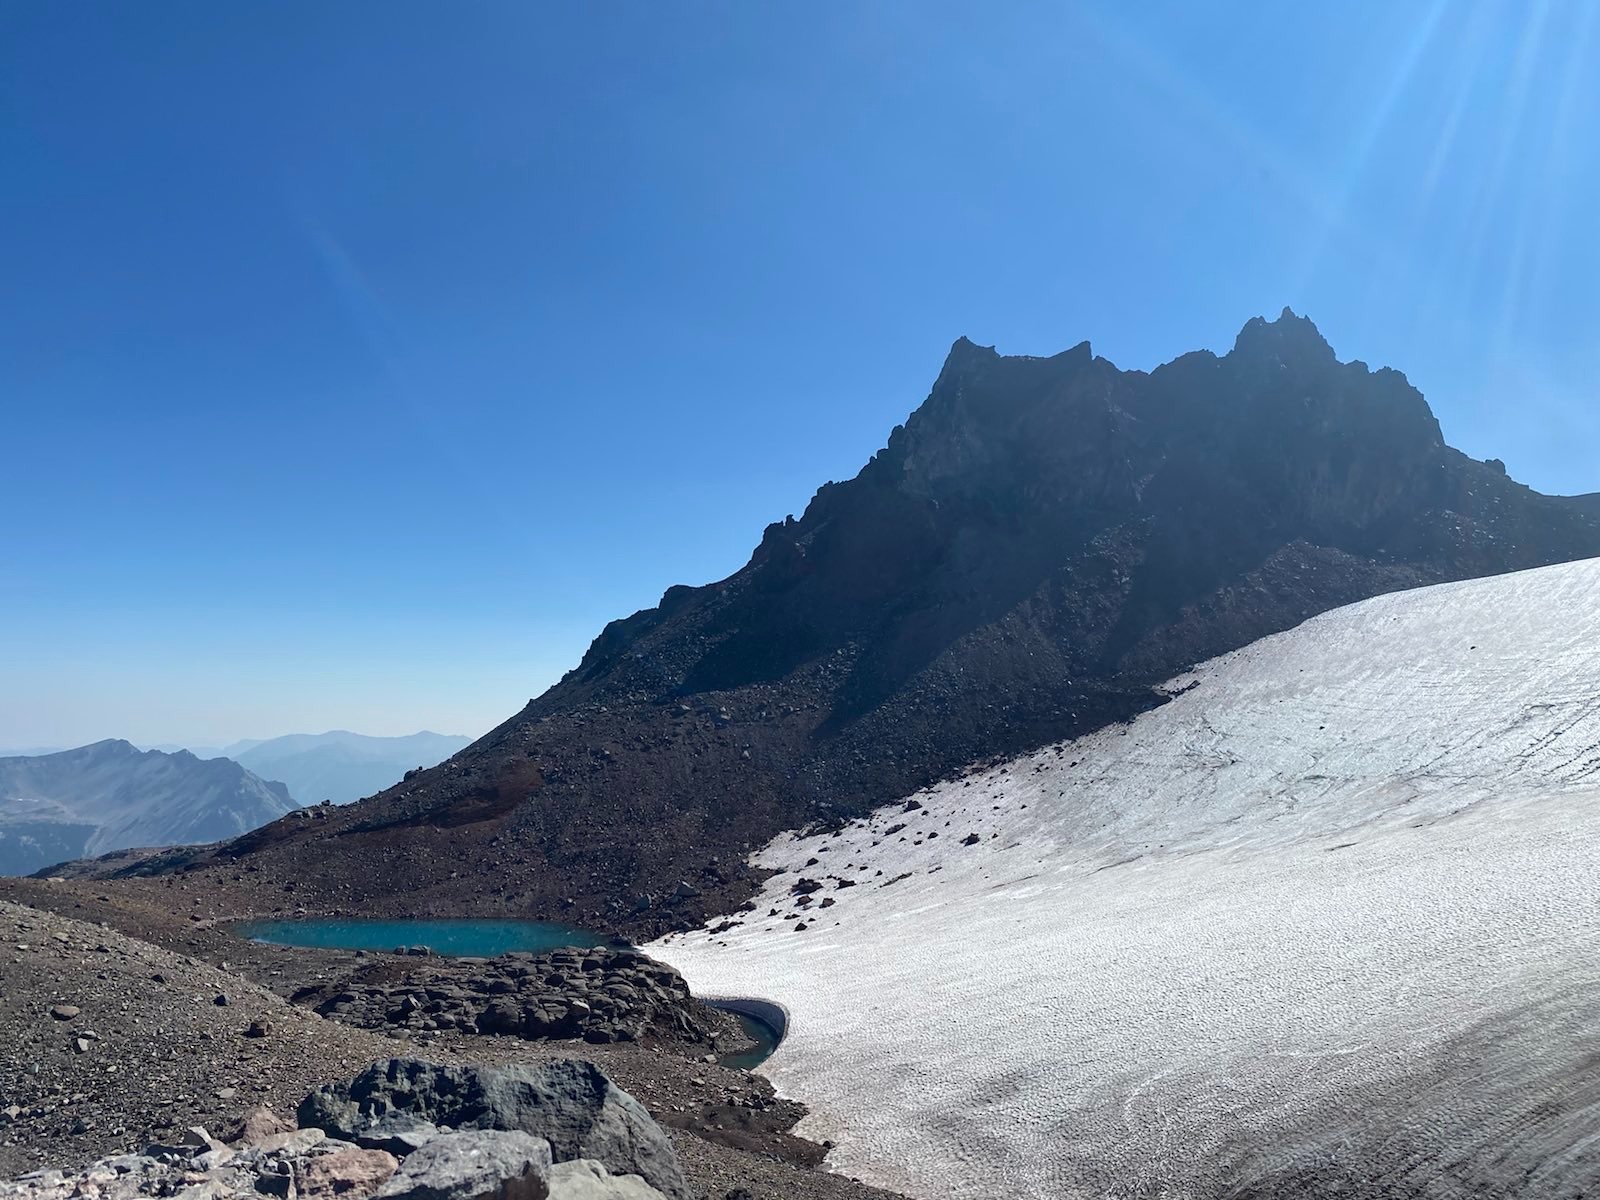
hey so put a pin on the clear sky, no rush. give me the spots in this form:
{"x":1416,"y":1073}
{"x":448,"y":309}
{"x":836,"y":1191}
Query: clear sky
{"x":358,"y":361}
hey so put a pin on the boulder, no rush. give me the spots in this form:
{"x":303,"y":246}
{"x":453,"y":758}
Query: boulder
{"x":503,"y":1016}
{"x":480,"y":1164}
{"x":196,"y":1137}
{"x":259,"y":1123}
{"x":398,"y":1133}
{"x":585,"y":1179}
{"x":210,"y":1160}
{"x":290,"y":1141}
{"x":349,"y":1174}
{"x":570,"y":1104}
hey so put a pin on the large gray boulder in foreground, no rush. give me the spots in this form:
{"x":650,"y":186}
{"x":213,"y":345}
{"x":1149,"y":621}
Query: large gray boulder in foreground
{"x":306,"y":1164}
{"x":585,"y":1179}
{"x":480,"y":1162}
{"x":571,"y":1105}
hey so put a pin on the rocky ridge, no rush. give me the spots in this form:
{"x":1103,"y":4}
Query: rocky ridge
{"x":1043,"y":543}
{"x":599,"y":995}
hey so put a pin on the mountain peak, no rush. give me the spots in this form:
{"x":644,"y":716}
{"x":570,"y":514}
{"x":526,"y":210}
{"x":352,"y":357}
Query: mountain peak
{"x":1042,"y":545}
{"x":966,"y":354}
{"x":1290,"y":337}
{"x":110,"y":746}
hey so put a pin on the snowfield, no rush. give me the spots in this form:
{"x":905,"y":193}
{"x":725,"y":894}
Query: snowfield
{"x":1327,"y":923}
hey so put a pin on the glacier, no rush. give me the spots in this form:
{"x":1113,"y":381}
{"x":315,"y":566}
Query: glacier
{"x":1325,"y":923}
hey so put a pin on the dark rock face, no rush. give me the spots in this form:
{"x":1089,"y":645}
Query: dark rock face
{"x":571,"y":1105}
{"x":1588,"y":504}
{"x":1043,"y":541}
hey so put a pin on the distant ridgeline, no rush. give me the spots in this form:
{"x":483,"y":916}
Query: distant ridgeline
{"x":342,"y":766}
{"x":111,"y":796}
{"x":1041,"y":543}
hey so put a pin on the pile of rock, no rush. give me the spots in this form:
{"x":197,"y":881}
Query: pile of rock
{"x":409,"y":1130}
{"x":599,"y":995}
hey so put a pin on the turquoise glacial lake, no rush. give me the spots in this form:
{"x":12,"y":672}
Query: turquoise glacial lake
{"x":457,"y":939}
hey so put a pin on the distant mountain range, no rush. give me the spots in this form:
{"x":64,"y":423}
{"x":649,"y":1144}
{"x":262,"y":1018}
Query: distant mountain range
{"x":342,"y":766}
{"x":112,"y":796}
{"x":57,"y":805}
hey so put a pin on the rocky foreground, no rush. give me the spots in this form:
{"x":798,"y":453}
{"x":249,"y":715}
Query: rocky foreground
{"x":409,"y":1130}
{"x":110,"y":1040}
{"x":115,"y":1043}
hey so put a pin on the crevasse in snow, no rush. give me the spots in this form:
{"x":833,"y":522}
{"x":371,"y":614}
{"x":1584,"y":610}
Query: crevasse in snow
{"x":1326,"y":920}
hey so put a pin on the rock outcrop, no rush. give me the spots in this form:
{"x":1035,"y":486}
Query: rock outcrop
{"x":571,"y":1105}
{"x":562,"y":1132}
{"x":600,"y":995}
{"x":1042,"y":542}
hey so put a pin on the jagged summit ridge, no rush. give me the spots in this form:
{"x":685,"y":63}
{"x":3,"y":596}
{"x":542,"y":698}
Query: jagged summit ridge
{"x":1289,"y":335}
{"x":1038,"y":546}
{"x":1085,"y":440}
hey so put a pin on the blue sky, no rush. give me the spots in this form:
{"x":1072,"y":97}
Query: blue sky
{"x":359,"y":361}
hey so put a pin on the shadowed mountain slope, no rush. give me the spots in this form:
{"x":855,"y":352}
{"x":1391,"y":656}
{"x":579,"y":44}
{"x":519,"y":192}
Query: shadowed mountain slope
{"x":1041,"y":543}
{"x":1589,"y":503}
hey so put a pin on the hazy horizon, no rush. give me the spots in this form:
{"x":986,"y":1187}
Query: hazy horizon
{"x":357,"y":373}
{"x":196,"y":746}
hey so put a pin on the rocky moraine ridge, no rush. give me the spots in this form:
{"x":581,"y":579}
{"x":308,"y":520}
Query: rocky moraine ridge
{"x":599,"y":996}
